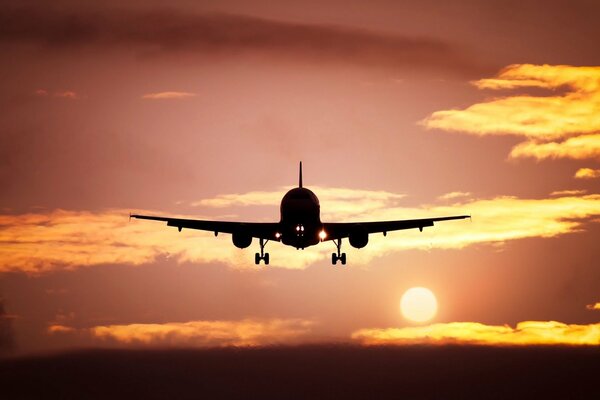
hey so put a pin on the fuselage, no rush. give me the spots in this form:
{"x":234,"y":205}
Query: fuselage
{"x":300,"y":223}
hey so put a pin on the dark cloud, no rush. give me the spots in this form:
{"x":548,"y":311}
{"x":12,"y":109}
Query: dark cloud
{"x":7,"y":336}
{"x":168,"y":31}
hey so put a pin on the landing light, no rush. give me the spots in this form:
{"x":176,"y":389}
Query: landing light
{"x":322,"y":235}
{"x":277,"y":235}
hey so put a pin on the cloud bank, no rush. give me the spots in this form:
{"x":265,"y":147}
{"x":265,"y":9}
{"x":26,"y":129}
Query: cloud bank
{"x":170,"y":31}
{"x":247,"y":332}
{"x":525,"y":333}
{"x":564,"y":124}
{"x":45,"y":241}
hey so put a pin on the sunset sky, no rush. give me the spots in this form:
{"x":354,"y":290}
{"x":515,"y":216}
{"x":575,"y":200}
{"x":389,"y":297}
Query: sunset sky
{"x":398,"y":110}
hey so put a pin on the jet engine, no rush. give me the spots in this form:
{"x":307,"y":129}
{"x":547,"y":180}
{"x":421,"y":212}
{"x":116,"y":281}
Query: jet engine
{"x":359,"y":237}
{"x":241,"y":240}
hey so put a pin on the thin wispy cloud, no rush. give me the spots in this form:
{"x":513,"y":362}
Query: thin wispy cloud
{"x":67,"y":94}
{"x":163,"y":31}
{"x":525,"y":333}
{"x":200,"y":333}
{"x":573,"y":192}
{"x":46,"y":241}
{"x":564,"y":124}
{"x":168,"y":95}
{"x":587,"y":173}
{"x":454,"y":195}
{"x":64,"y":94}
{"x":340,"y":202}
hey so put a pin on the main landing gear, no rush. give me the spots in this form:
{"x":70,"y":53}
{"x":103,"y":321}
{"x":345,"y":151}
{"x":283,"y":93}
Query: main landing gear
{"x":339,"y":256}
{"x":262,"y":255}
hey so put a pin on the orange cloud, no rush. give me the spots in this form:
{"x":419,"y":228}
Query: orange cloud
{"x":579,"y":148}
{"x":543,"y":120}
{"x":68,"y":94}
{"x":246,"y":332}
{"x":525,"y":333}
{"x":41,"y":242}
{"x":52,"y":329}
{"x":168,"y":95}
{"x":595,"y":306}
{"x":587,"y":173}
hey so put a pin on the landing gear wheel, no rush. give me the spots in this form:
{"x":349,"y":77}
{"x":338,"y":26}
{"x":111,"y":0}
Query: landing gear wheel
{"x":262,"y":255}
{"x":339,"y":255}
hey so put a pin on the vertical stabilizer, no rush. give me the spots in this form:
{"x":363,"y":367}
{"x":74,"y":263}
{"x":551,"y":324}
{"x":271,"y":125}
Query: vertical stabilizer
{"x":300,"y":176}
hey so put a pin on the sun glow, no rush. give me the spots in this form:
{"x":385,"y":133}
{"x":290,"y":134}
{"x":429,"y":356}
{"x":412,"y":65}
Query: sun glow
{"x":418,"y":304}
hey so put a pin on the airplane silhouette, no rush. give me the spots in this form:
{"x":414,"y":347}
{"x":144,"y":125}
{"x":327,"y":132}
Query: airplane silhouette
{"x":300,"y":226}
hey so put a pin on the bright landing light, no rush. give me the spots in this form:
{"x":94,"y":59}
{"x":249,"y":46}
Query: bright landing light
{"x":418,"y":304}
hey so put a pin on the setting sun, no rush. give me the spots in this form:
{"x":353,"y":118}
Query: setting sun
{"x":418,"y":304}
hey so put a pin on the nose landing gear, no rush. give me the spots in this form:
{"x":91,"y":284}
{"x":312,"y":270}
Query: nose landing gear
{"x":262,"y":255}
{"x":339,"y":256}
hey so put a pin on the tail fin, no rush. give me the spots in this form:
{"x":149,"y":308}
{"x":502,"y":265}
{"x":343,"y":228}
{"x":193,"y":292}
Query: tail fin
{"x":300,"y":176}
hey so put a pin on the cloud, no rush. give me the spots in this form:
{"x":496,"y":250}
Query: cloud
{"x":42,"y":242}
{"x":168,"y":95}
{"x":56,"y":328}
{"x":578,"y":148}
{"x":564,"y":124}
{"x":67,"y":94}
{"x":568,"y":192}
{"x":595,"y":306}
{"x":525,"y":333}
{"x":247,"y":332}
{"x":341,"y":202}
{"x":170,"y":31}
{"x":7,"y":335}
{"x":587,"y":173}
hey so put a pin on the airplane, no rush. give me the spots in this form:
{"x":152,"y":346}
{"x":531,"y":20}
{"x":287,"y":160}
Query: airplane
{"x":300,"y":226}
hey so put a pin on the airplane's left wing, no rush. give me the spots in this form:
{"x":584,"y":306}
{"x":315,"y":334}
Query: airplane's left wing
{"x":259,"y":230}
{"x":339,"y":230}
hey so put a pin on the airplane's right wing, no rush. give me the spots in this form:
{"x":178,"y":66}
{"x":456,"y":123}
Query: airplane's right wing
{"x":339,"y":230}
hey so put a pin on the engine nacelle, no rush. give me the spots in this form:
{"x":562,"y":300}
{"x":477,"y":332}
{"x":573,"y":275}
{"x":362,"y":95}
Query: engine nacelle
{"x":359,"y":237}
{"x":241,"y":240}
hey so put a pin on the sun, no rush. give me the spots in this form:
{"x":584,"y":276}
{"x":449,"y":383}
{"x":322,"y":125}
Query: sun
{"x":418,"y":304}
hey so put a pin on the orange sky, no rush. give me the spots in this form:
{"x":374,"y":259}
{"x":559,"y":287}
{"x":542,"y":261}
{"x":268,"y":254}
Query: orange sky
{"x":397,"y":109}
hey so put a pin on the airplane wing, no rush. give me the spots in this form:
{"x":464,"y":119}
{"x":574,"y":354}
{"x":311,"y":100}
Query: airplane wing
{"x":339,"y":230}
{"x":255,"y":229}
